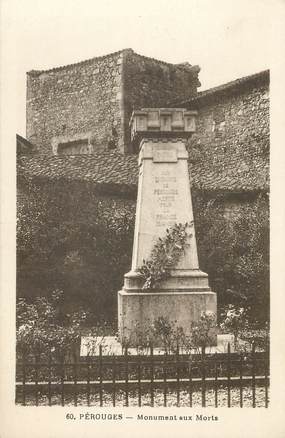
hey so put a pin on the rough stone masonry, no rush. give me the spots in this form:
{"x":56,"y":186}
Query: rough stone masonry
{"x":89,"y":104}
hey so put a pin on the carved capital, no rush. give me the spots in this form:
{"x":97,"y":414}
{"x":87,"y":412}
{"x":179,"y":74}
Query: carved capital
{"x":164,"y":123}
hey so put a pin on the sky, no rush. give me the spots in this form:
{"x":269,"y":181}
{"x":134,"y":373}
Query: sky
{"x":228,"y":39}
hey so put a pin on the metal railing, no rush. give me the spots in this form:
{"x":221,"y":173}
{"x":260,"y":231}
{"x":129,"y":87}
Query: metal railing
{"x":107,"y":379}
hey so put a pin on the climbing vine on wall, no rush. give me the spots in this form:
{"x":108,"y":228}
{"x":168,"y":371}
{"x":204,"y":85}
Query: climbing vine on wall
{"x":71,"y":238}
{"x":164,"y":255}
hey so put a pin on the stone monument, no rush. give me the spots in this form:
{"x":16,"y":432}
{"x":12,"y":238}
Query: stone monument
{"x":164,"y":198}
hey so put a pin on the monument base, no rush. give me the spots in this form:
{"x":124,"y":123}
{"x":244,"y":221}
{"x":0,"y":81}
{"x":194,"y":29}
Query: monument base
{"x":137,"y":310}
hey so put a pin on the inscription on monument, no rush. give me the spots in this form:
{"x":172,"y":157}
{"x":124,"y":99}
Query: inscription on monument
{"x":165,"y":196}
{"x":164,"y":156}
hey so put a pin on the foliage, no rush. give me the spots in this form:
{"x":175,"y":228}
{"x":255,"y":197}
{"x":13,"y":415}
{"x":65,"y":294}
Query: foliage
{"x":71,"y":238}
{"x":234,"y":321}
{"x":168,"y":334}
{"x":260,"y":337}
{"x":173,"y":337}
{"x":234,"y":251}
{"x":165,"y":333}
{"x":204,"y":329}
{"x":42,"y":328}
{"x":164,"y":255}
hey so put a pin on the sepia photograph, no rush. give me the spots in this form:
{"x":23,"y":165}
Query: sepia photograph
{"x":142,"y":210}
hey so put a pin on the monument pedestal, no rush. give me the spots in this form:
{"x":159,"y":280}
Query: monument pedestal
{"x":181,"y":299}
{"x":140,"y":309}
{"x":164,"y":199}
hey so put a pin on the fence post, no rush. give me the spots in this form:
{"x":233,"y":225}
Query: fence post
{"x":75,"y":376}
{"x":139,"y":381}
{"x":216,"y":380}
{"x":203,"y":378}
{"x":62,"y":368}
{"x":126,"y":377}
{"x":100,"y":376}
{"x":165,"y":378}
{"x":178,"y":374}
{"x":88,"y":379}
{"x":37,"y":378}
{"x":253,"y":374}
{"x":266,"y":373}
{"x":151,"y":376}
{"x":190,"y":380}
{"x":24,"y":377}
{"x":114,"y":379}
{"x":240,"y":380}
{"x":49,"y":378}
{"x":229,"y":374}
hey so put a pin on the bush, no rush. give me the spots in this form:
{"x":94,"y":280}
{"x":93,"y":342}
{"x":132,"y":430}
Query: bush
{"x":235,"y":253}
{"x":43,"y":328}
{"x":167,"y":334}
{"x":246,"y":333}
{"x":70,"y":238}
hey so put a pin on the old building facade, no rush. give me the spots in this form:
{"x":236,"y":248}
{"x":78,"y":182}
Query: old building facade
{"x":86,"y":107}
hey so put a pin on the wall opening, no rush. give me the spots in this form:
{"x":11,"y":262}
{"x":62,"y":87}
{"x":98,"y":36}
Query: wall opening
{"x":75,"y":147}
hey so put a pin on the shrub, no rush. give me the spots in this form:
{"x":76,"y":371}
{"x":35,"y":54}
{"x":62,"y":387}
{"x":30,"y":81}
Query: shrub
{"x":234,"y":251}
{"x":71,"y":238}
{"x":42,"y":328}
{"x":202,"y":331}
{"x":166,"y":334}
{"x":234,"y":321}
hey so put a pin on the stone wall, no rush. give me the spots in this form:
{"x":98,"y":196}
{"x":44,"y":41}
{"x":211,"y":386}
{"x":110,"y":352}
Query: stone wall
{"x":82,"y":101}
{"x":152,"y":83}
{"x":232,"y":135}
{"x":91,"y":102}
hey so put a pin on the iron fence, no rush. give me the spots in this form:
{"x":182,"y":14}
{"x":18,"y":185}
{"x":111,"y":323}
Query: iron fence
{"x":113,"y":379}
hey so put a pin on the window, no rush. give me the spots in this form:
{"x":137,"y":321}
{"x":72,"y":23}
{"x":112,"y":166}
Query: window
{"x":75,"y":147}
{"x":219,"y":123}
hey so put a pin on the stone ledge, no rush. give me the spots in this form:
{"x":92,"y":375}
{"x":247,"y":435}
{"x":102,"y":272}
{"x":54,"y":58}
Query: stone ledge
{"x":188,"y":280}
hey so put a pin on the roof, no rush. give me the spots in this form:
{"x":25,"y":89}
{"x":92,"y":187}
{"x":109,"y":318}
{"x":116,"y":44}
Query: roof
{"x":24,"y":146}
{"x":108,"y":170}
{"x":194,"y":69}
{"x":86,"y":61}
{"x":113,"y":172}
{"x":229,"y":88}
{"x":231,"y":175}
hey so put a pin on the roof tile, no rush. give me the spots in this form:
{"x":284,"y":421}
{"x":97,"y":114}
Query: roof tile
{"x":120,"y":172}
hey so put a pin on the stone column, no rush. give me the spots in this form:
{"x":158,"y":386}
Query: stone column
{"x":164,"y":198}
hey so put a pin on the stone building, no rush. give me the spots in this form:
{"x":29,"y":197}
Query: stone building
{"x":86,"y":107}
{"x":78,"y":119}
